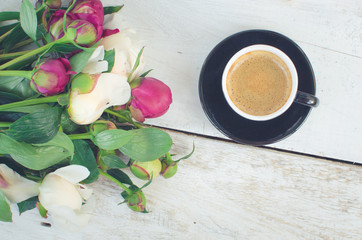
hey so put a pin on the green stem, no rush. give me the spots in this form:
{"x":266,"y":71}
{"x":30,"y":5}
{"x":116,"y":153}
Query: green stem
{"x":31,"y":102}
{"x":80,"y":136}
{"x":32,"y":53}
{"x":5,"y":124}
{"x":6,"y":34}
{"x":116,"y":181}
{"x":20,"y":44}
{"x":123,"y":117}
{"x":16,"y":73}
{"x":12,"y":55}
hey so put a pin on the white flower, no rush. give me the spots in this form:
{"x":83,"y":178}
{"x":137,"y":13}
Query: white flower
{"x":68,"y":202}
{"x":126,"y":51}
{"x":15,"y":187}
{"x":101,"y":92}
{"x":96,"y":64}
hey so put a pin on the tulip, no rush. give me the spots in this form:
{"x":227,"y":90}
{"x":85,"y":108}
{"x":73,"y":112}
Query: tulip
{"x":136,"y":201}
{"x":68,"y":202}
{"x":146,"y":170}
{"x":126,"y":51}
{"x":91,"y":11}
{"x":91,"y":94}
{"x":150,"y":99}
{"x":55,"y":25}
{"x":15,"y":187}
{"x":51,"y":76}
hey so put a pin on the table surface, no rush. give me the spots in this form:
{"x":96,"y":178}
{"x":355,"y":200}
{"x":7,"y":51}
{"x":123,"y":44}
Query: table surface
{"x":307,"y":186}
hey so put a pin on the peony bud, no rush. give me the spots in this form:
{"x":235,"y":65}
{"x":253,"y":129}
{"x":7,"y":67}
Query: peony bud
{"x":53,"y":4}
{"x":169,"y":169}
{"x":136,"y":201}
{"x":150,"y":99}
{"x":55,"y":25}
{"x":91,"y":94}
{"x":146,"y":170}
{"x":100,"y":126}
{"x":82,"y":32}
{"x":89,"y":10}
{"x":51,"y":76}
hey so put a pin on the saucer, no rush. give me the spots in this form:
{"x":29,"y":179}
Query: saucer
{"x":222,"y":116}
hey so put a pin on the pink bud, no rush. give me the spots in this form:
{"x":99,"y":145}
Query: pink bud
{"x":91,"y":11}
{"x":56,"y":23}
{"x":51,"y":76}
{"x":83,"y":32}
{"x":150,"y":99}
{"x":53,"y":4}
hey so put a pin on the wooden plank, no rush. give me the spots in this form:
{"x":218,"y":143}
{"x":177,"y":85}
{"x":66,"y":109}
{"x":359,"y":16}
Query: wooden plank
{"x":179,"y":35}
{"x":225,"y":191}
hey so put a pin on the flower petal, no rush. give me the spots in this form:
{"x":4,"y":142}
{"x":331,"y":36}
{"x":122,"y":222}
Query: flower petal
{"x":15,"y":187}
{"x":73,"y":173}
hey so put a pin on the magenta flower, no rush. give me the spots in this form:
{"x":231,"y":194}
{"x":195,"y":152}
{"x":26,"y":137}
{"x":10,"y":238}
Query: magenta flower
{"x":51,"y":76}
{"x":82,"y":32}
{"x":91,"y":11}
{"x":150,"y":99}
{"x":55,"y":25}
{"x":53,"y":4}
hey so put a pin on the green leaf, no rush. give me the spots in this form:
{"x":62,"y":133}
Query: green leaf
{"x":109,"y":57}
{"x":188,"y":155}
{"x":27,"y":204}
{"x":85,"y":157}
{"x":113,"y":161}
{"x":79,"y":60}
{"x":42,"y":211}
{"x":28,"y":19}
{"x":17,"y":85}
{"x":112,"y":139}
{"x":37,"y":127}
{"x":146,"y":73}
{"x":5,"y":16}
{"x":147,"y":144}
{"x":112,"y":9}
{"x":16,"y":36}
{"x":63,"y":48}
{"x":5,"y":212}
{"x":136,"y":64}
{"x":30,"y":109}
{"x":6,"y":28}
{"x":37,"y":157}
{"x":120,"y":176}
{"x":67,"y":124}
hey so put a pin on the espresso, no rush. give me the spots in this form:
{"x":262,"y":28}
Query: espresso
{"x":259,"y":83}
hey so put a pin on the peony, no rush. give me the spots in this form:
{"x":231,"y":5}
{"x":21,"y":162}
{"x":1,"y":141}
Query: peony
{"x":15,"y":187}
{"x":68,"y":202}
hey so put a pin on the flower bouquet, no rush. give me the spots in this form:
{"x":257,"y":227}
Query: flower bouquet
{"x":73,"y":99}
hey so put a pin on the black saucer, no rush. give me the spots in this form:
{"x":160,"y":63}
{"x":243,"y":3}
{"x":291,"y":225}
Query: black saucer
{"x":224,"y":118}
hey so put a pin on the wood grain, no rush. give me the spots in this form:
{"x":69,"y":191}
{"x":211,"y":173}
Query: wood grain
{"x":225,"y":191}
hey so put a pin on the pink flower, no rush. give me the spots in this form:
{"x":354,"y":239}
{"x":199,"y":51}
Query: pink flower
{"x":83,"y":32}
{"x":91,"y":11}
{"x":55,"y":26}
{"x":51,"y":76}
{"x":150,"y":99}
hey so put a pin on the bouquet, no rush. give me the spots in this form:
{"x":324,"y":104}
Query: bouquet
{"x":73,"y":101}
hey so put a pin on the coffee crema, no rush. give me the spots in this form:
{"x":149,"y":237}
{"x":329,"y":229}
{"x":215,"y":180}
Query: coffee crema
{"x":259,"y":83}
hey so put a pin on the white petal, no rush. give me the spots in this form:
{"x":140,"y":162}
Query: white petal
{"x":56,"y":191}
{"x":73,"y":173}
{"x":84,"y":191}
{"x":95,"y":67}
{"x":111,"y":90}
{"x":97,"y":55}
{"x":15,"y":187}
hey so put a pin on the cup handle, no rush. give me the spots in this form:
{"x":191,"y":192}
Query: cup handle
{"x":306,"y":99}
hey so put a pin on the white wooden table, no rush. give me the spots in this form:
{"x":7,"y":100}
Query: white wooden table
{"x":304,"y":187}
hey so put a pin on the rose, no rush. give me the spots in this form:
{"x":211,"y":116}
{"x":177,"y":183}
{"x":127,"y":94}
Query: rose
{"x":68,"y":202}
{"x":15,"y":187}
{"x":51,"y":76}
{"x":152,"y":98}
{"x":90,"y":95}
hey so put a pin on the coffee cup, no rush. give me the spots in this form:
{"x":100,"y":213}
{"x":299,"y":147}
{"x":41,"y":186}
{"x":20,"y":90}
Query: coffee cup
{"x":260,"y":82}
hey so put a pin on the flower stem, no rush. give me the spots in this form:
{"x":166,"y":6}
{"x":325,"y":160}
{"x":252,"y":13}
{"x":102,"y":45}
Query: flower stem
{"x":5,"y":124}
{"x":116,"y":181}
{"x":123,"y":117}
{"x":2,"y":37}
{"x":32,"y":53}
{"x":17,"y":73}
{"x":20,"y":44}
{"x":12,"y":55}
{"x":28,"y":102}
{"x":80,"y":136}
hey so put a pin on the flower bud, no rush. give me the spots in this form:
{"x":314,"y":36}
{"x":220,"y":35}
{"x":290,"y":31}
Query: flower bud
{"x":168,"y":169}
{"x":51,"y":76}
{"x":150,"y":99}
{"x":100,"y":126}
{"x":136,"y":201}
{"x":146,"y":170}
{"x":89,"y":10}
{"x":55,"y":25}
{"x":82,"y":32}
{"x":53,"y":4}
